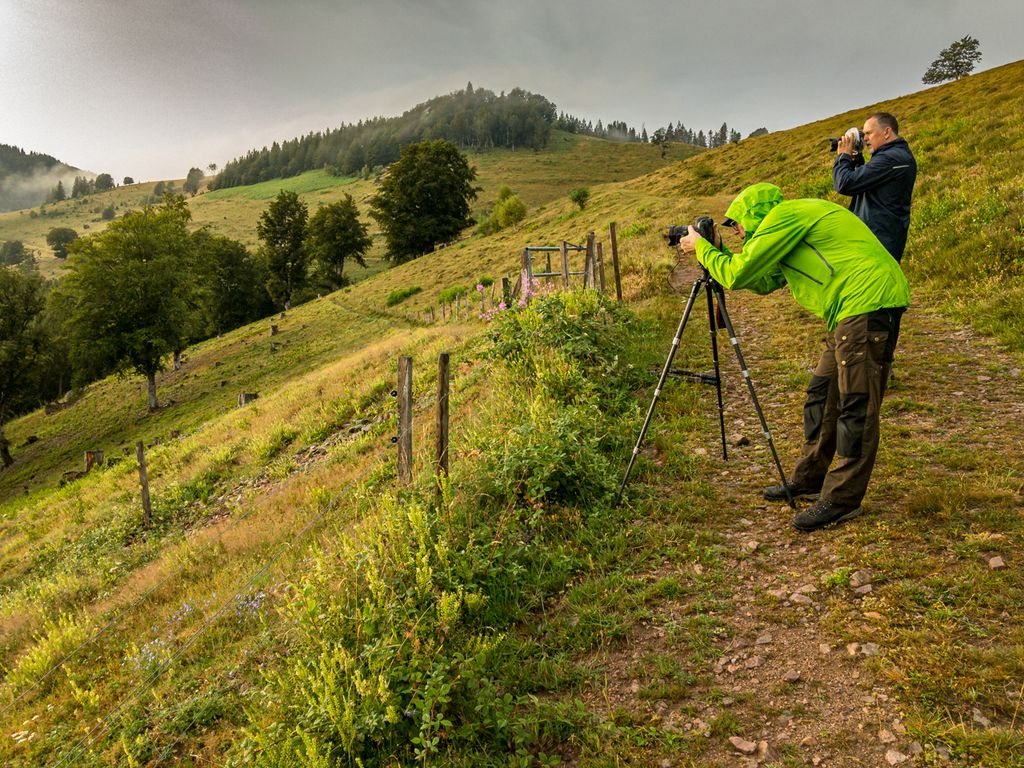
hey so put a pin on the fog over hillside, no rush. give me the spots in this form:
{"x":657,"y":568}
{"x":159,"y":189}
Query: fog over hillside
{"x":28,"y":190}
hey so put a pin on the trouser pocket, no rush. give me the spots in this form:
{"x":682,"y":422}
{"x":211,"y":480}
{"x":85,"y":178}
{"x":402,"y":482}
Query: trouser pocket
{"x":814,"y":406}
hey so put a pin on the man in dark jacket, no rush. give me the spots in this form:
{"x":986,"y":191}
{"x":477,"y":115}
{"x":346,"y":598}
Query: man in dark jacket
{"x":881,"y":188}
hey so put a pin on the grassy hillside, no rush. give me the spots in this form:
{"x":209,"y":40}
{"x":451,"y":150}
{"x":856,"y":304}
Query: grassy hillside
{"x":283,"y":588}
{"x":538,"y":178}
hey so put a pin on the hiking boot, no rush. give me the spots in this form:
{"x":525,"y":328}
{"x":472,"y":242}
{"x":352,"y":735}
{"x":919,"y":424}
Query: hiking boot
{"x":823,"y":512}
{"x":778,"y":493}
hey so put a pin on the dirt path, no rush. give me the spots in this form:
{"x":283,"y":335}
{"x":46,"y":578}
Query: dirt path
{"x":796,"y":675}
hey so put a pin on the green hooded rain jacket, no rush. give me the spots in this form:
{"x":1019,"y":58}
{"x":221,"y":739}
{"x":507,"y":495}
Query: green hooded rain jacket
{"x":833,"y":264}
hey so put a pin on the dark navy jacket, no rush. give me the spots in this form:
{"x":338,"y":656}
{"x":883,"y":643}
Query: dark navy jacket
{"x":881,"y":191}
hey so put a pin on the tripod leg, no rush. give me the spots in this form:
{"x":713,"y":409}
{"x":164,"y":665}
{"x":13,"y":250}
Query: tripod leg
{"x":718,"y":373}
{"x":661,"y":383}
{"x":753,"y":394}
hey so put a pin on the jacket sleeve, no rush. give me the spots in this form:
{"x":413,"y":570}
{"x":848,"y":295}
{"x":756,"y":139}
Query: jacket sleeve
{"x":848,"y":179}
{"x":756,"y":267}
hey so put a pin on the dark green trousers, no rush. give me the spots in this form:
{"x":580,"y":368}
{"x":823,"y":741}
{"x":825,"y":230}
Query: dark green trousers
{"x":843,"y":402}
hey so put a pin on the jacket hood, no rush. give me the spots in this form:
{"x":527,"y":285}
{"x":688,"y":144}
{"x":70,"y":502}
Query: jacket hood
{"x":753,"y":204}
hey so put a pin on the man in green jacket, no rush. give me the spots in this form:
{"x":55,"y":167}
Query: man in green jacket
{"x":837,"y":269}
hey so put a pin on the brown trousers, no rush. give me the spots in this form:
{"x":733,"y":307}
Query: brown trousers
{"x":843,"y":402}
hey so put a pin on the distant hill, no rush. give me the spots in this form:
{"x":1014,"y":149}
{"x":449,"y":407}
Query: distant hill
{"x":475,"y":119}
{"x":471,"y":118}
{"x":27,"y":177}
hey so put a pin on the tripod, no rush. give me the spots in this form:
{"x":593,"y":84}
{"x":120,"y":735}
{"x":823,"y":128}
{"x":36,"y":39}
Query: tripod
{"x":714,"y":292}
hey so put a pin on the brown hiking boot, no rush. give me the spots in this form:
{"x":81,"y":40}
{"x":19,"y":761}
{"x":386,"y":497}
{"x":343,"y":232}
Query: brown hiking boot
{"x":823,"y":512}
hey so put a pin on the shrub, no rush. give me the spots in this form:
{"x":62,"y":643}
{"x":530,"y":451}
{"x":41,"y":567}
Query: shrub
{"x":579,"y":196}
{"x":57,"y":640}
{"x":449,"y":295}
{"x":399,"y":295}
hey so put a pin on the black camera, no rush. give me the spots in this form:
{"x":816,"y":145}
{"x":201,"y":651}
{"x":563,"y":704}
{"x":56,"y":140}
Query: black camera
{"x":858,"y":142}
{"x":704,"y":225}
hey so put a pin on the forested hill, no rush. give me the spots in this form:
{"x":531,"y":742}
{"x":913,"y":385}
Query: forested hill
{"x":471,"y":118}
{"x":27,"y":177}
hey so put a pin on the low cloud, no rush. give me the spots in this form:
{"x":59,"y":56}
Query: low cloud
{"x":27,"y":190}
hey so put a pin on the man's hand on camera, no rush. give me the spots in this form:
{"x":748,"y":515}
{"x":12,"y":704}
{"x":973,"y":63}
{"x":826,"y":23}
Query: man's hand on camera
{"x":845,"y":146}
{"x":688,"y":242}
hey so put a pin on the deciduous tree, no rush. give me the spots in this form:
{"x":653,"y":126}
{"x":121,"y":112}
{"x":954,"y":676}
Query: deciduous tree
{"x":282,"y":228}
{"x":231,"y":283}
{"x":103,"y":182}
{"x":128,"y":293}
{"x":59,"y":238}
{"x":424,"y":199}
{"x":954,"y":62}
{"x":193,"y":181}
{"x":335,"y":234}
{"x":21,"y":302}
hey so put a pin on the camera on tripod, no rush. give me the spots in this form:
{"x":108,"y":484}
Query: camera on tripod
{"x":855,"y":134}
{"x":704,"y":225}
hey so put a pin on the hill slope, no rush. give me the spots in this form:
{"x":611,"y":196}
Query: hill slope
{"x":538,"y":178}
{"x":27,"y":177}
{"x":634,"y":636}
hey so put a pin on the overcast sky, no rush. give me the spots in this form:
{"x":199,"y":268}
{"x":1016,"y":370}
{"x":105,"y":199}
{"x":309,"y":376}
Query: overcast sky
{"x":149,"y":88}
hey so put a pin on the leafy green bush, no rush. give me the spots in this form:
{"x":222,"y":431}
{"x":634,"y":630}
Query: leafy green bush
{"x":508,"y":211}
{"x":562,"y":356}
{"x":398,"y":653}
{"x":579,"y":196}
{"x":399,"y":295}
{"x":449,"y":295}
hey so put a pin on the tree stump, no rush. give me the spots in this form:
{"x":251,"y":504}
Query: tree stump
{"x":244,"y":398}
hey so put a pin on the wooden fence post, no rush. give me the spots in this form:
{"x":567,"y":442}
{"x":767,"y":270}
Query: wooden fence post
{"x":404,"y":420}
{"x":564,"y":248}
{"x":147,"y":509}
{"x":600,"y":266}
{"x":506,"y":291}
{"x":524,"y":273}
{"x":615,"y":262}
{"x":443,"y":361}
{"x":589,"y":269}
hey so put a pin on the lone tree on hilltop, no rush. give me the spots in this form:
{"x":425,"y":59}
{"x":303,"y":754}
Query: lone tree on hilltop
{"x":956,"y":61}
{"x":129,"y":292}
{"x":334,"y":234}
{"x":424,"y":199}
{"x":282,"y":228}
{"x":103,"y":183}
